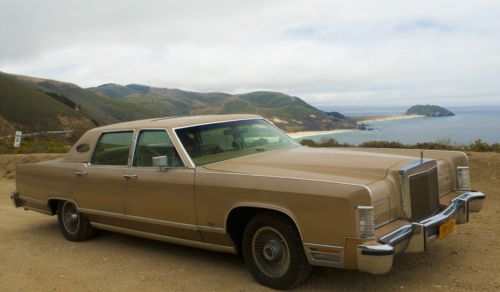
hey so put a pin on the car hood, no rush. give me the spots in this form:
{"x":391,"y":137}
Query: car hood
{"x":328,"y":164}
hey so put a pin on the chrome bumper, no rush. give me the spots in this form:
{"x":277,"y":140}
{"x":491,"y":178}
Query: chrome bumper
{"x":14,"y":197}
{"x":377,"y":259}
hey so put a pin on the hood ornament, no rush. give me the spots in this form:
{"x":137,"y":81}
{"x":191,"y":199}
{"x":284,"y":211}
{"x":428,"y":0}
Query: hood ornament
{"x":421,"y":156}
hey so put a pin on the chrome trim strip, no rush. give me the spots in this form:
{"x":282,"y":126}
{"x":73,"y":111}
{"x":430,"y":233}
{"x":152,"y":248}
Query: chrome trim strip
{"x":37,"y":210}
{"x":153,"y":221}
{"x":35,"y":201}
{"x":169,"y":239}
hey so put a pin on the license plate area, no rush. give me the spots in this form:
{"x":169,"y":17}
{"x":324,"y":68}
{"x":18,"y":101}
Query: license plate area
{"x":446,"y":228}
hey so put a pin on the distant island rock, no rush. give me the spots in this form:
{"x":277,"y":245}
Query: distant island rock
{"x":429,"y":111}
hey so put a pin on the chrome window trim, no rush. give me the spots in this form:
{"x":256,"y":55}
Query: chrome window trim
{"x":191,"y":163}
{"x":134,"y":148}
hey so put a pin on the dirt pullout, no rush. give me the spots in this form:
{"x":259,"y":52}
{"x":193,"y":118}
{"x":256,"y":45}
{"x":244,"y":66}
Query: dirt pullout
{"x":35,"y":256}
{"x":8,"y":162}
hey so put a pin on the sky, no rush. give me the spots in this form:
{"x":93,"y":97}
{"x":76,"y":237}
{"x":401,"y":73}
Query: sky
{"x":326,"y":52}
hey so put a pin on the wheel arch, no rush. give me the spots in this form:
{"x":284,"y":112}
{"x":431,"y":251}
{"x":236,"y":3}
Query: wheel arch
{"x":246,"y":211}
{"x":53,"y":202}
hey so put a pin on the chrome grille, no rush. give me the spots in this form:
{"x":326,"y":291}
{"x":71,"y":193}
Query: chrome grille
{"x":424,"y":194}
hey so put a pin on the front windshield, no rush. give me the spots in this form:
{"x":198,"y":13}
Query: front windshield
{"x":221,"y":141}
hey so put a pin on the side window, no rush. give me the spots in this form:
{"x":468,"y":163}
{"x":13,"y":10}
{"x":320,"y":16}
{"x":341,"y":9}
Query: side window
{"x":113,"y":149}
{"x":153,"y":143}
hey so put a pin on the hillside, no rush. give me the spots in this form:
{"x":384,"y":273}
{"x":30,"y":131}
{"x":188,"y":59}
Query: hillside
{"x":29,"y":109}
{"x":288,"y":112}
{"x":34,"y":104}
{"x":429,"y":111}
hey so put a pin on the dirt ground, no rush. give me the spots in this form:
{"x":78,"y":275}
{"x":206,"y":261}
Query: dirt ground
{"x":35,"y":257}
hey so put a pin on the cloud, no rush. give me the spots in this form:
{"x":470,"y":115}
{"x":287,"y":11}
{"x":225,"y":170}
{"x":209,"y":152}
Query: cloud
{"x":327,"y":52}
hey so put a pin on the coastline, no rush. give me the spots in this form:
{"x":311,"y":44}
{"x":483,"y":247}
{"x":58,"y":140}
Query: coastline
{"x":362,"y":120}
{"x":388,"y":118}
{"x":317,"y":133}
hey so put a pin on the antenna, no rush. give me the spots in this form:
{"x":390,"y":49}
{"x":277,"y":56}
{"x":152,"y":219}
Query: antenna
{"x":421,"y":156}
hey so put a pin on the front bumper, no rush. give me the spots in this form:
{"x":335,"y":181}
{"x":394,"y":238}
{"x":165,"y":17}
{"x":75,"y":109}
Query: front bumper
{"x":414,"y":237}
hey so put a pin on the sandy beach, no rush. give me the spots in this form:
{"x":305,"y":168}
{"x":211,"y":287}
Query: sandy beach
{"x":317,"y":133}
{"x":389,"y":118}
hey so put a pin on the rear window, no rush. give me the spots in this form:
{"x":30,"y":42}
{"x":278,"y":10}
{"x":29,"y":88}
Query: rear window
{"x":113,"y":149}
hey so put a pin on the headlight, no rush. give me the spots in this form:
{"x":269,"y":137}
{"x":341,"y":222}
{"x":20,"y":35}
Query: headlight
{"x":463,"y":178}
{"x":365,"y":219}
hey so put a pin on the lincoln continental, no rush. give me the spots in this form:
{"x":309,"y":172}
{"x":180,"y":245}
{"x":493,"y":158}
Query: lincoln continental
{"x":238,"y":184}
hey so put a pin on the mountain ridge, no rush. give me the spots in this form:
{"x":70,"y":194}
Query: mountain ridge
{"x":84,"y":108}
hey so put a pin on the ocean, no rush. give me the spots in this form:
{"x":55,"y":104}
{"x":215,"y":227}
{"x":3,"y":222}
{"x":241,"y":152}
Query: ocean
{"x":468,"y":125}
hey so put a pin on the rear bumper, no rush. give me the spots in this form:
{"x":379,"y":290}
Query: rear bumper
{"x":14,"y":197}
{"x":414,"y":237}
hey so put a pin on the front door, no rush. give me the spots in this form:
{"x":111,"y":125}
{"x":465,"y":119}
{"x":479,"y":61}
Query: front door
{"x":160,"y":201}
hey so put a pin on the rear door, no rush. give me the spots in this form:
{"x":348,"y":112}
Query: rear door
{"x":101,"y":183}
{"x":160,"y":201}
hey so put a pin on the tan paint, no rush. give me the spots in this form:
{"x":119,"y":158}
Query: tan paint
{"x":319,"y":189}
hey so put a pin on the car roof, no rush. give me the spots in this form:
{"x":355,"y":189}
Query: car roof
{"x":175,"y":122}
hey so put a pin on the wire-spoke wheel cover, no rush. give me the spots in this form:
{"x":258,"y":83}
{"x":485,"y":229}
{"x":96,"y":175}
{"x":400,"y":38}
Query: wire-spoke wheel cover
{"x":270,"y":252}
{"x":70,"y":217}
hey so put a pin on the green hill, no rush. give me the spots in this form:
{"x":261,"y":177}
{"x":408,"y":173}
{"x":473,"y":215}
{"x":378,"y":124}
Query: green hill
{"x":429,"y":111}
{"x":36,"y":104}
{"x":27,"y":108}
{"x":288,"y":112}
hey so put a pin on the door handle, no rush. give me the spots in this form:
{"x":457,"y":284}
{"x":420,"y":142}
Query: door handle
{"x":129,"y":176}
{"x":80,"y":173}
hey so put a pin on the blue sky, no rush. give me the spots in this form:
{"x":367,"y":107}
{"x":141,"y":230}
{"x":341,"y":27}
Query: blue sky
{"x":326,"y":52}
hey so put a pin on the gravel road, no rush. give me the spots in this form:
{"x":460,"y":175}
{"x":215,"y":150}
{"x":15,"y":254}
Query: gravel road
{"x":35,"y":257}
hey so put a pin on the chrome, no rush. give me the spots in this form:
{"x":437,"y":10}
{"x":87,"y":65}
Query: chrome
{"x":418,"y":234}
{"x":80,"y":173}
{"x":329,"y":256}
{"x":129,"y":176}
{"x":153,"y":221}
{"x":414,"y":168}
{"x":169,"y":239}
{"x":270,"y":252}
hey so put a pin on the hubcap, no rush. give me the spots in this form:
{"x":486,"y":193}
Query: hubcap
{"x":270,"y":252}
{"x":71,"y":218}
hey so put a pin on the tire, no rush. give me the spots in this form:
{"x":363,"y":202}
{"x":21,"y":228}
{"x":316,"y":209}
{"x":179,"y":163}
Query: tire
{"x":74,"y":225}
{"x":274,"y":252}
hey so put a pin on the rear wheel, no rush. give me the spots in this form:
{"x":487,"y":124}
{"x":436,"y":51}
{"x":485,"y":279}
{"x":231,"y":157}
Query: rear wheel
{"x":274,"y":253}
{"x":74,"y":225}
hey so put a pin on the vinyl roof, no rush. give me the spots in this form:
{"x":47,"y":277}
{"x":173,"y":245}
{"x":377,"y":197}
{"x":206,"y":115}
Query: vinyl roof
{"x":174,"y":122}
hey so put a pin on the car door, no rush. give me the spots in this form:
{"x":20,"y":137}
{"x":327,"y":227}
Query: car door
{"x":160,"y":201}
{"x":101,"y":183}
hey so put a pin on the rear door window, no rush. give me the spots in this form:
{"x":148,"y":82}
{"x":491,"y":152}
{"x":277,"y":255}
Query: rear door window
{"x":113,"y":148}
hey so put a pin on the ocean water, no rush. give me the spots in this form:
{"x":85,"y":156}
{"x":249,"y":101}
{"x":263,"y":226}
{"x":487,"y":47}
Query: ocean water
{"x":468,"y":125}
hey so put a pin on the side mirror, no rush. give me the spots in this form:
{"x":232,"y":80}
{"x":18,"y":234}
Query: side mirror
{"x":161,"y":162}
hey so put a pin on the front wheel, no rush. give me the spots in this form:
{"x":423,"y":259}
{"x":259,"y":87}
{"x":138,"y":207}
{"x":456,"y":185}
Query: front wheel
{"x":274,"y":253}
{"x":74,"y":225}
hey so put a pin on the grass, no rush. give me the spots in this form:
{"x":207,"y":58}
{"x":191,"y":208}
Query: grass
{"x":477,"y":146}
